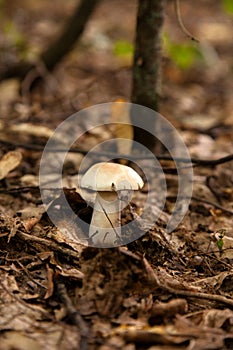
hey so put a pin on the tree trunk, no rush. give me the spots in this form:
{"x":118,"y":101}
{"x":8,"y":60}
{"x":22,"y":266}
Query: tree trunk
{"x":147,"y":64}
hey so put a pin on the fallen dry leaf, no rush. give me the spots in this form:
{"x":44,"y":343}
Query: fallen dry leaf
{"x":50,"y":284}
{"x":123,"y":129}
{"x":33,"y":130}
{"x":30,"y":223}
{"x":71,"y":273}
{"x":9,"y":162}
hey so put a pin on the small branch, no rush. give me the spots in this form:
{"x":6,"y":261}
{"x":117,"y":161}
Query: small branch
{"x":211,"y":297}
{"x":60,"y":47}
{"x":158,"y":282}
{"x":202,"y":200}
{"x":181,"y":23}
{"x":27,"y":189}
{"x":194,"y":161}
{"x":48,"y":243}
{"x":216,"y":205}
{"x":73,"y":315}
{"x":212,"y":162}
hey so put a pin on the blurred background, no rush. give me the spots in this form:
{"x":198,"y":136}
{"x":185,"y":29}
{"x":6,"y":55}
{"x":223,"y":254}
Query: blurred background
{"x":196,"y":88}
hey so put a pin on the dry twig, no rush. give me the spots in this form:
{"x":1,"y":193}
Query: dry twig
{"x":181,"y":23}
{"x":166,"y":285}
{"x":216,"y":205}
{"x":202,"y":200}
{"x":48,"y":243}
{"x":73,"y":315}
{"x":211,"y":297}
{"x":194,"y":161}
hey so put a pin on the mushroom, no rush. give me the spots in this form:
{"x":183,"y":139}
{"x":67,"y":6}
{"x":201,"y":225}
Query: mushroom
{"x":109,"y":180}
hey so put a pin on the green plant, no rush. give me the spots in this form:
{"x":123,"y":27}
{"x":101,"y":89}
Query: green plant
{"x":220,"y":241}
{"x":13,"y":34}
{"x":123,"y":48}
{"x":228,"y":6}
{"x":185,"y":55}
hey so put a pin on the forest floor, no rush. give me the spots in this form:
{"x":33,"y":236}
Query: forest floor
{"x":162,"y":291}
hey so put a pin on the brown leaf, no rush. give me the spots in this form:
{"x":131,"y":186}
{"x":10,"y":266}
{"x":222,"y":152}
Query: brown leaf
{"x":30,"y":223}
{"x":50,"y":285}
{"x":123,"y":129}
{"x":9,"y":162}
{"x":71,"y":273}
{"x":32,"y":129}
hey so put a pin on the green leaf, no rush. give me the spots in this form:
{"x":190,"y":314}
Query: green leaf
{"x":228,"y":6}
{"x":123,"y":48}
{"x":220,"y":243}
{"x":185,"y":55}
{"x":14,"y":36}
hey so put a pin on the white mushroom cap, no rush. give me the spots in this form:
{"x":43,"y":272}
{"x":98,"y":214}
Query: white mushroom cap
{"x":111,"y":177}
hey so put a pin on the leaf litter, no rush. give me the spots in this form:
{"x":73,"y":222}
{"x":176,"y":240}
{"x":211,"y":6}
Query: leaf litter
{"x":160,"y":292}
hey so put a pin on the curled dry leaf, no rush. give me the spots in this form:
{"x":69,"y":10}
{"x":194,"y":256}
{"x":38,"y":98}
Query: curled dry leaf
{"x":71,"y":273}
{"x":123,"y":129}
{"x":30,"y":180}
{"x":50,"y":284}
{"x":30,"y":223}
{"x":9,"y":162}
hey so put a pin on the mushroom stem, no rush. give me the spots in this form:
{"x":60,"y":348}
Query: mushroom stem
{"x":105,"y":225}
